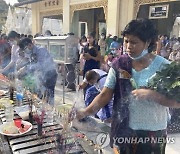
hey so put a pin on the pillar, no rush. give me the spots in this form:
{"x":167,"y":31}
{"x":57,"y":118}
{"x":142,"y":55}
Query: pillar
{"x":125,"y":14}
{"x":113,"y":17}
{"x":75,"y":23}
{"x":66,"y":16}
{"x":36,"y":19}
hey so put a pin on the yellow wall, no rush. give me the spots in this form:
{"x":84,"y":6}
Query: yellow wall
{"x":112,"y":17}
{"x":45,"y":7}
{"x":36,"y":23}
{"x":39,"y":10}
{"x":126,"y":14}
{"x":72,"y":2}
{"x":118,"y":13}
{"x":66,"y":16}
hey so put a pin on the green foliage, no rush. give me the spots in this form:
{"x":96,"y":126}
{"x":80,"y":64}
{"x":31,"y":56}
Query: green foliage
{"x":167,"y":81}
{"x":29,"y":82}
{"x":133,"y":83}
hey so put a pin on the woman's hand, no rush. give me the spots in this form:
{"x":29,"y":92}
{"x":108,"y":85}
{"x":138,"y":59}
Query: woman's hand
{"x":82,"y":85}
{"x":79,"y":87}
{"x":148,"y":94}
{"x":80,"y":114}
{"x":77,"y":114}
{"x":21,"y":72}
{"x":143,"y":94}
{"x":87,"y":56}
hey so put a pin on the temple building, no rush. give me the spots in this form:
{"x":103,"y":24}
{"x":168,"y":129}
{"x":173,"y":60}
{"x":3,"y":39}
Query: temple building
{"x":110,"y":16}
{"x":3,"y":13}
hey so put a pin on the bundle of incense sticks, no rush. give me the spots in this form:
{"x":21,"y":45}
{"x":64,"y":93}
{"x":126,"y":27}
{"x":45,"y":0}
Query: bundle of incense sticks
{"x":39,"y":117}
{"x":72,"y":113}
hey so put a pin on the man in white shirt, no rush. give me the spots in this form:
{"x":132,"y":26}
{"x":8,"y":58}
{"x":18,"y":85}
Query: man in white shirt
{"x":92,"y":77}
{"x":97,"y":78}
{"x":13,"y":38}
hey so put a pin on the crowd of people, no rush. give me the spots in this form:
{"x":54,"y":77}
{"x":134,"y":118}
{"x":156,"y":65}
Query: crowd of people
{"x":168,"y":48}
{"x":102,"y":53}
{"x":111,"y":48}
{"x":141,"y":112}
{"x":21,"y":58}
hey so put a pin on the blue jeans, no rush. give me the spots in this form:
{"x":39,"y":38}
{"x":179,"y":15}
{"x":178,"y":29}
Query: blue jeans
{"x":105,"y":112}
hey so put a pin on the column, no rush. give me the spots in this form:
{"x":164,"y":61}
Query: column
{"x":66,"y":16}
{"x":75,"y":23}
{"x":36,"y":21}
{"x":113,"y":17}
{"x":126,"y":13}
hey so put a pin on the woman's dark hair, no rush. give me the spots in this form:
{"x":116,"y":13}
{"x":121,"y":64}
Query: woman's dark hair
{"x":37,"y":35}
{"x":30,"y":36}
{"x":144,"y":29}
{"x":22,"y":35}
{"x":19,"y":36}
{"x":4,"y":36}
{"x":24,"y":42}
{"x":103,"y":34}
{"x":70,"y":33}
{"x":82,"y":38}
{"x":48,"y":32}
{"x":90,"y":75}
{"x":93,"y":35}
{"x":12,"y":34}
{"x":115,"y":38}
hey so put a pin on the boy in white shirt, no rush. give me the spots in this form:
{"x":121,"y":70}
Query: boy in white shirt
{"x":96,"y":78}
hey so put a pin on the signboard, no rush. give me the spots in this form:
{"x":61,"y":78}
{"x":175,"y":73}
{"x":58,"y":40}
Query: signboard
{"x":159,"y":11}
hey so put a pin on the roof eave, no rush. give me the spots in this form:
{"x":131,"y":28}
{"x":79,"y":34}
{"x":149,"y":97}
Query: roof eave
{"x":26,"y":2}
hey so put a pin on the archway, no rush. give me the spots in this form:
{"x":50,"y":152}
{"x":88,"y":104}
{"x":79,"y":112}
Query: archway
{"x":89,"y":20}
{"x":163,"y":24}
{"x":54,"y":23}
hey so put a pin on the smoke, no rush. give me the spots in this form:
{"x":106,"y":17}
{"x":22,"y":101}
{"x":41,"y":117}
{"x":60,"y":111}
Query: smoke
{"x":5,"y":53}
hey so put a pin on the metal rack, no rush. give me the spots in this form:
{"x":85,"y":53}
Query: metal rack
{"x":31,"y":143}
{"x":64,"y":51}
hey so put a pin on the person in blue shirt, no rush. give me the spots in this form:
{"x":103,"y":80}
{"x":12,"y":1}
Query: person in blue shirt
{"x":96,"y":78}
{"x":40,"y":64}
{"x":141,"y":113}
{"x":114,"y":45}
